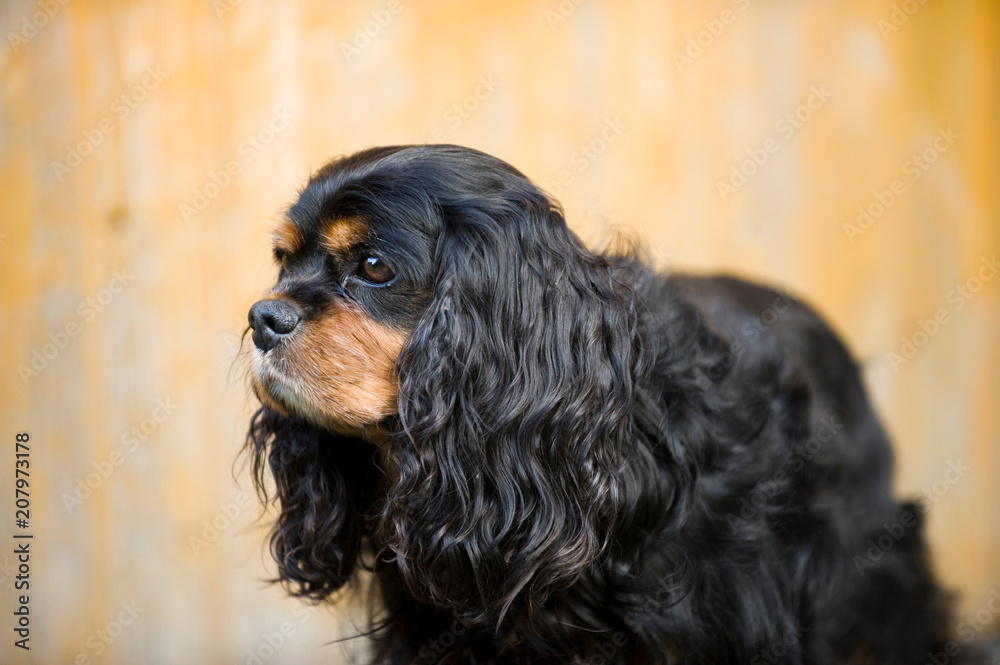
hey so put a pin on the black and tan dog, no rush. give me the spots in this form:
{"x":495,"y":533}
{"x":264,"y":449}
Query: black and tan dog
{"x":549,"y":455}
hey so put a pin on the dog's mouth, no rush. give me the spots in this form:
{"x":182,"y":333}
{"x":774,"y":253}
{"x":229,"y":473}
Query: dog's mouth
{"x":276,"y":384}
{"x":277,"y":390}
{"x":270,"y":390}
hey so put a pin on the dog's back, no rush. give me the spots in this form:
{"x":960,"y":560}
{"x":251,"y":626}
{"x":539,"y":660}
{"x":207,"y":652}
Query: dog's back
{"x":854,"y":558}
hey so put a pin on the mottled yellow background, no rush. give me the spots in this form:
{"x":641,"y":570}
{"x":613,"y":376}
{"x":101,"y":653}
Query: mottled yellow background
{"x":147,"y":147}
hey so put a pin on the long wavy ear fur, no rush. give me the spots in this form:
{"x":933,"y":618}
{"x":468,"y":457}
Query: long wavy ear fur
{"x":323,"y":491}
{"x":515,"y":409}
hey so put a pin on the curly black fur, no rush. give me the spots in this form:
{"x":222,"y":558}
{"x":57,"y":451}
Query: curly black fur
{"x":593,"y":463}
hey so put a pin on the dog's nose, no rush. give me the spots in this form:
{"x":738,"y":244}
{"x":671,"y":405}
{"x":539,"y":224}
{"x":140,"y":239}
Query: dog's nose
{"x":271,"y":320}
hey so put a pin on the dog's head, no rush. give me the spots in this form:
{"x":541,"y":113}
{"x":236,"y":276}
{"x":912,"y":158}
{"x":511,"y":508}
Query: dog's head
{"x":446,"y":371}
{"x":355,"y":255}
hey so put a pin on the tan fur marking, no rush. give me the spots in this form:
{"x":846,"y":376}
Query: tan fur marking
{"x":337,"y":371}
{"x":286,"y":237}
{"x":341,"y":234}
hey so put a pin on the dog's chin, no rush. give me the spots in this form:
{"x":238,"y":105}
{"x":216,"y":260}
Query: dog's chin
{"x":279,"y":393}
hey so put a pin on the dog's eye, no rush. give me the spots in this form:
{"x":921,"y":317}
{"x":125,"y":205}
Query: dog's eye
{"x":375,"y":271}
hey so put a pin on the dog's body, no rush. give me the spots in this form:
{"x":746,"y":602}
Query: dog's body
{"x":554,"y":456}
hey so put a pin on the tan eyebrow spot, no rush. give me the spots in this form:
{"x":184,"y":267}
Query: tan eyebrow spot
{"x":286,"y":237}
{"x":341,"y":234}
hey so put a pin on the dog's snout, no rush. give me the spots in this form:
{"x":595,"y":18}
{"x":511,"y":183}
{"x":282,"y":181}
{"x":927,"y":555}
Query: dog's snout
{"x":271,"y":320}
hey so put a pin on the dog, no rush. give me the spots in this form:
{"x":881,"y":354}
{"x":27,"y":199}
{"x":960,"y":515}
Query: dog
{"x":548,"y":455}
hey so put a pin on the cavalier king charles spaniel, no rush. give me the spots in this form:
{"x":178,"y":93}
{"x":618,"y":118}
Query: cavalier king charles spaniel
{"x":548,"y":455}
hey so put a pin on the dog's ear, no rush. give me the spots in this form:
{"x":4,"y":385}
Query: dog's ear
{"x":516,"y":399}
{"x":323,"y":488}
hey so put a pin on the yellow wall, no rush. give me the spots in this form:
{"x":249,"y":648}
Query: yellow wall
{"x":162,"y":96}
